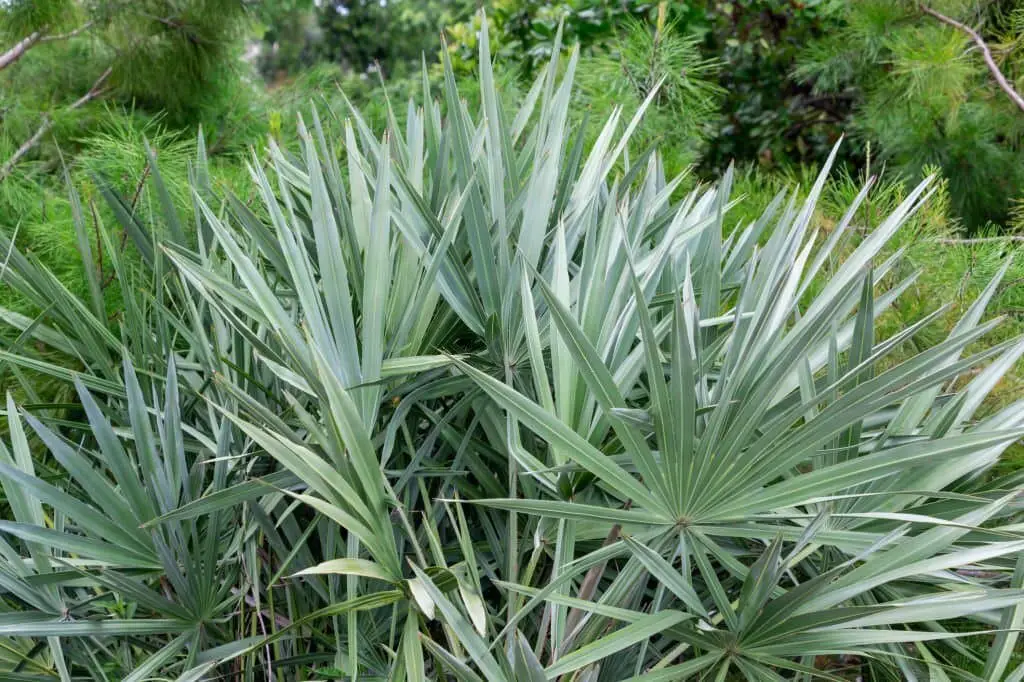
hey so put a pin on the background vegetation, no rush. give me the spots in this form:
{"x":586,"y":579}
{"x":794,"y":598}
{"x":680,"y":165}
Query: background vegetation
{"x":768,"y":84}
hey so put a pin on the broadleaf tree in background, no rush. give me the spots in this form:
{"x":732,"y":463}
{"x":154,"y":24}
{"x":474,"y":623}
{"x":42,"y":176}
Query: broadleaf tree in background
{"x":473,"y":401}
{"x":527,"y":30}
{"x":393,"y":36}
{"x":767,"y":117}
{"x":288,"y":37}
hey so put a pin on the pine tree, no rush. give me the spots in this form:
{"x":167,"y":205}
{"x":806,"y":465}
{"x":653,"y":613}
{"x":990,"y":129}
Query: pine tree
{"x":57,"y":56}
{"x":936,"y":85}
{"x":655,"y":60}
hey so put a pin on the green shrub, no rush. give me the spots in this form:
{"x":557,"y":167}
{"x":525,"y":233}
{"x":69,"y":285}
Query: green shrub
{"x":475,"y":401}
{"x":924,"y":96}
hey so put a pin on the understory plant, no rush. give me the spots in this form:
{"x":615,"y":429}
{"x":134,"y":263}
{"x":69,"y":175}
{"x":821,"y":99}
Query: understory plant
{"x":469,"y":399}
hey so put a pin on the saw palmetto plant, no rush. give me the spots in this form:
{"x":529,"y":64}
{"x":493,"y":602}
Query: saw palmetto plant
{"x":470,"y":399}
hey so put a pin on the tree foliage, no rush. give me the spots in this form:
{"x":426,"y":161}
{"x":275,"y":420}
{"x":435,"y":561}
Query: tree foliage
{"x":767,"y":115}
{"x":147,"y":44}
{"x":361,"y":34}
{"x":84,"y":82}
{"x":926,"y":98}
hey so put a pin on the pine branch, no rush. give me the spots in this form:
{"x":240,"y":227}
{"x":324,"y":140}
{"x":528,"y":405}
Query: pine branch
{"x":18,"y":51}
{"x":70,"y":34}
{"x":986,"y":53}
{"x":25,"y":44}
{"x":95,"y":91}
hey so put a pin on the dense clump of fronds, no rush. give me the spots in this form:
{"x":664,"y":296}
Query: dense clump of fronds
{"x":474,"y":400}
